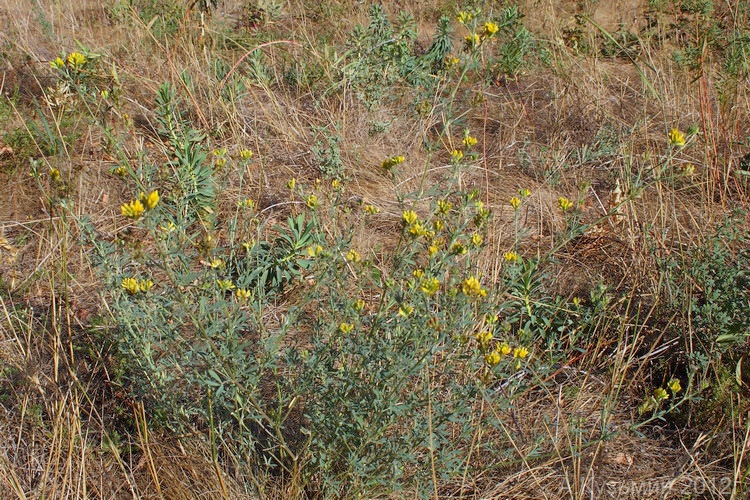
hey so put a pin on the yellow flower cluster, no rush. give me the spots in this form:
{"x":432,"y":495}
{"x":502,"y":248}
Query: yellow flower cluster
{"x":564,"y":204}
{"x":457,"y":155}
{"x":150,"y":200}
{"x":314,"y":250}
{"x":312,"y":201}
{"x":490,"y":29}
{"x":371,"y":209}
{"x":493,"y":356}
{"x":659,"y":395}
{"x":76,"y":60}
{"x":248,"y":203}
{"x":676,"y":138}
{"x":346,"y":327}
{"x":412,"y":223}
{"x":225,"y":285}
{"x":243,"y":294}
{"x":444,"y":207}
{"x":469,"y":141}
{"x":472,"y":41}
{"x":135,"y":208}
{"x":464,"y":17}
{"x":133,"y":286}
{"x":391,"y":162}
{"x":353,"y":256}
{"x":246,"y":154}
{"x":430,"y":286}
{"x":132,"y":210}
{"x":471,"y":287}
{"x":405,"y":310}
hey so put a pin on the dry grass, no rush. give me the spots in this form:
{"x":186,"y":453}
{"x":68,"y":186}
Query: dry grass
{"x":72,"y":433}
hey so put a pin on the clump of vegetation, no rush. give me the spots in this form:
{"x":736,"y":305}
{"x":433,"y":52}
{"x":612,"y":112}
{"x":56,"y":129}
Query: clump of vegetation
{"x":413,"y":262}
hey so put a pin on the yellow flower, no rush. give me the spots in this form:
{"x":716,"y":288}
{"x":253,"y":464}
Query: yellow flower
{"x":130,"y":285}
{"x":371,"y":209}
{"x":515,"y":203}
{"x":120,"y":171}
{"x":220,"y":162}
{"x":391,"y":162}
{"x":417,"y":229}
{"x":472,"y":41}
{"x":76,"y":59}
{"x":451,"y":61}
{"x":410,"y":217}
{"x":564,"y":204}
{"x":687,"y":170}
{"x":132,"y":210}
{"x":58,"y":63}
{"x":336,"y":184}
{"x":438,"y":225}
{"x":246,"y":154}
{"x":243,"y":294}
{"x":483,"y":338}
{"x":676,"y":138}
{"x":145,"y":285}
{"x":457,"y":155}
{"x":54,"y":174}
{"x":346,"y":327}
{"x":359,"y":305}
{"x":444,"y":207}
{"x":216,"y":264}
{"x":353,"y":256}
{"x":248,"y":203}
{"x":405,"y":310}
{"x":312,"y":201}
{"x":520,"y":352}
{"x":476,"y":239}
{"x":524,"y":193}
{"x":511,"y":256}
{"x":291,"y":184}
{"x":432,"y":250}
{"x":674,"y":386}
{"x":458,"y":248}
{"x":490,"y":29}
{"x":463,"y":17}
{"x":660,"y":394}
{"x":314,"y":250}
{"x":493,"y":358}
{"x":418,"y":273}
{"x":471,"y":287}
{"x":430,"y":286}
{"x":220,"y":152}
{"x":504,"y":349}
{"x":169,"y":227}
{"x":225,"y":285}
{"x":151,"y":200}
{"x":469,"y":141}
{"x":577,"y":301}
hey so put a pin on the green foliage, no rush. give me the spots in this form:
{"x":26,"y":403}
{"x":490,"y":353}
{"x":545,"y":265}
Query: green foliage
{"x":328,"y":154}
{"x":374,"y":374}
{"x":708,"y":286}
{"x":384,"y":55}
{"x":515,"y":43}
